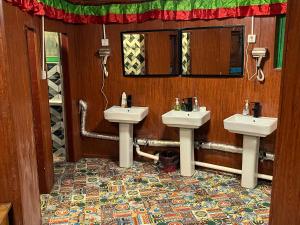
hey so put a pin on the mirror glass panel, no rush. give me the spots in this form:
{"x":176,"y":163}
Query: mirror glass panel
{"x":212,"y":51}
{"x":150,"y":53}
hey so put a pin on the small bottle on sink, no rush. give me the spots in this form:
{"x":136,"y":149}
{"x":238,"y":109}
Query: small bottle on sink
{"x":177,"y":105}
{"x":124,"y":100}
{"x":246,"y":108}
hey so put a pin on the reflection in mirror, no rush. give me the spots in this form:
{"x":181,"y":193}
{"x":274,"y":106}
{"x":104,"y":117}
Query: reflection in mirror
{"x":134,"y":54}
{"x":212,"y":51}
{"x":150,"y":53}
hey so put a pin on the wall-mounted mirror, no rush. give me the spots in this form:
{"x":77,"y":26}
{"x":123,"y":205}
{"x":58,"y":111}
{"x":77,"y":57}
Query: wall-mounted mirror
{"x":199,"y":51}
{"x":150,"y":53}
{"x":212,"y":51}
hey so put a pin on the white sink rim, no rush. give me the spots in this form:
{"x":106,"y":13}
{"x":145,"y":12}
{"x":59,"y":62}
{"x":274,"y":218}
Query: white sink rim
{"x":251,"y":126}
{"x":183,"y":119}
{"x":132,"y":115}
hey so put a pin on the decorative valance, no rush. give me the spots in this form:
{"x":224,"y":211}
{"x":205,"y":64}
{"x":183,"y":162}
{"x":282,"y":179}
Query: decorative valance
{"x":156,"y":9}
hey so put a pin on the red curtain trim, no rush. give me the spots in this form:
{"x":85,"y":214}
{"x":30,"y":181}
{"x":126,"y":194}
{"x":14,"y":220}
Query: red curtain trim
{"x":220,"y":13}
{"x":28,"y":5}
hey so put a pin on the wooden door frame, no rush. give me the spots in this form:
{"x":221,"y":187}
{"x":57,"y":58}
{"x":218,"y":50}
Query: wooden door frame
{"x":41,"y":115}
{"x":285,"y":202}
{"x":71,"y":108}
{"x":67,"y":103}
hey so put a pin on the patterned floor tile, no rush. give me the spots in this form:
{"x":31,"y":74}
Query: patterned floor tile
{"x":98,"y":191}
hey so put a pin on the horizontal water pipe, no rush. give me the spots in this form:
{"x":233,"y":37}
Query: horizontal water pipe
{"x":229,"y":170}
{"x":231,"y":149}
{"x":157,"y":143}
{"x":221,"y":147}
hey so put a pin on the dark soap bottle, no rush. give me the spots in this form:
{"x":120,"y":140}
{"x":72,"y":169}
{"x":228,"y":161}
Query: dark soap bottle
{"x":256,"y":110}
{"x":129,"y":101}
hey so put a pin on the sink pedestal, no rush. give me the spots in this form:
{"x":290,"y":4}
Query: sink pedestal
{"x":126,"y":117}
{"x":186,"y":122}
{"x":250,"y":161}
{"x":125,"y":145}
{"x":187,"y":162}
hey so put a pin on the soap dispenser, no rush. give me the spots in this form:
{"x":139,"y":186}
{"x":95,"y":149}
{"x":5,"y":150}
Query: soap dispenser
{"x":246,"y":108}
{"x":256,"y":110}
{"x":177,"y":104}
{"x":124,"y":100}
{"x":129,"y":101}
{"x":183,"y":106}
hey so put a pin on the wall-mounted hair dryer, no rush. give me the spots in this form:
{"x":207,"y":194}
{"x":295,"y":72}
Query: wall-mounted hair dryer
{"x":104,"y":53}
{"x":259,"y":54}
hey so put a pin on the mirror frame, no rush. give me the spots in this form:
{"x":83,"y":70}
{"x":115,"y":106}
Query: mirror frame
{"x":179,"y":74}
{"x":151,"y":75}
{"x":212,"y":75}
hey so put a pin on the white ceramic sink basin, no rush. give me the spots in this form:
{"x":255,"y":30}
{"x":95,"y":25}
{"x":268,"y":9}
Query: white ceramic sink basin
{"x":184,"y":119}
{"x":131,"y":115}
{"x":248,"y":125}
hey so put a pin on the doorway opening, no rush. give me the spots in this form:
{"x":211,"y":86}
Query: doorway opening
{"x":56,"y":95}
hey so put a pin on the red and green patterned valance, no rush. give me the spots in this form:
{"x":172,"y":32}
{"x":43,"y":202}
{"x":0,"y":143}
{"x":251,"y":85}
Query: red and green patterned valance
{"x":157,"y":9}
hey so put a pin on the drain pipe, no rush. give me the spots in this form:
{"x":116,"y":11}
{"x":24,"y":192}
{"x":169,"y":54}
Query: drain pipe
{"x":229,"y":170}
{"x":144,"y":154}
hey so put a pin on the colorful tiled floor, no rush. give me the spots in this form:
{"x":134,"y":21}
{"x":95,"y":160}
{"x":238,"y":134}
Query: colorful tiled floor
{"x":97,"y":191}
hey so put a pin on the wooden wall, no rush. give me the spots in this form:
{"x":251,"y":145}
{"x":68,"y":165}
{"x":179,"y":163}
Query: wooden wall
{"x":203,"y":59}
{"x":285,"y":203}
{"x":26,"y":163}
{"x":223,"y":97}
{"x":158,"y":61}
{"x":18,"y":167}
{"x":25,"y":62}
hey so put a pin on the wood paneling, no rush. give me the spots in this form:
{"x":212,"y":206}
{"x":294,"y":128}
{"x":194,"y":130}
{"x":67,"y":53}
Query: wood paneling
{"x":41,"y":119}
{"x":205,"y":62}
{"x":24,"y":102}
{"x":285,"y":203}
{"x":222,"y":96}
{"x":158,"y":61}
{"x":19,"y":178}
{"x":9,"y":176}
{"x":210,"y":51}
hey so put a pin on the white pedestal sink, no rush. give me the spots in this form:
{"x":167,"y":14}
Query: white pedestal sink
{"x":186,"y":122}
{"x":252,"y":129}
{"x":126,"y":117}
